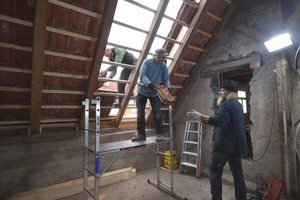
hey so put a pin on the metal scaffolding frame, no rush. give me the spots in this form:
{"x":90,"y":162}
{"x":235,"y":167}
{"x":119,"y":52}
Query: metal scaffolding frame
{"x":117,"y":147}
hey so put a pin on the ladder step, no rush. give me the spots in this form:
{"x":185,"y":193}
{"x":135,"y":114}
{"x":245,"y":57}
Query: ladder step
{"x":164,"y":154}
{"x":190,"y":153}
{"x":189,"y":164}
{"x":92,"y":130}
{"x":90,"y":149}
{"x":162,"y":168}
{"x":191,"y":142}
{"x":192,"y":131}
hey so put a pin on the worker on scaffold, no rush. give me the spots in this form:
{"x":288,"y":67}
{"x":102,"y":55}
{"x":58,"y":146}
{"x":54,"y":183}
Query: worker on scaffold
{"x":153,"y":71}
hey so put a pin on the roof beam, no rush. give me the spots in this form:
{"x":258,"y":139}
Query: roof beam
{"x":203,"y":57}
{"x":197,"y":19}
{"x":193,"y":29}
{"x":145,"y":50}
{"x":231,"y":65}
{"x":105,"y":26}
{"x":246,"y":30}
{"x":292,"y":21}
{"x":38,"y":57}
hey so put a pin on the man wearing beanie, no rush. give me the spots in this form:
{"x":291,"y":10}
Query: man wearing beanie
{"x":229,"y":141}
{"x":153,"y":71}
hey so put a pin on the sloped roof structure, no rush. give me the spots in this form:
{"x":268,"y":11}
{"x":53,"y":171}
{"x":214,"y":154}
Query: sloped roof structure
{"x":51,"y":53}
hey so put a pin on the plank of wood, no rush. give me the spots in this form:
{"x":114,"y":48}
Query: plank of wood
{"x":74,"y":187}
{"x":285,"y":125}
{"x":38,"y":61}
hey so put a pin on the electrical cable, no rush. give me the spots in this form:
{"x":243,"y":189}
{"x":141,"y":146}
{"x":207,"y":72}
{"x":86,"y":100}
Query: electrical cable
{"x":295,"y":139}
{"x":296,"y":60}
{"x":272,"y":121}
{"x":260,"y":189}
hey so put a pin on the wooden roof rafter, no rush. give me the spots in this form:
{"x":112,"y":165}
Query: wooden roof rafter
{"x":105,"y":26}
{"x":38,"y":57}
{"x":203,"y":57}
{"x":145,"y":50}
{"x":197,"y":19}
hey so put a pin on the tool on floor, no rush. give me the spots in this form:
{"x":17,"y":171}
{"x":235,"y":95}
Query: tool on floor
{"x":191,"y":148}
{"x":274,"y":190}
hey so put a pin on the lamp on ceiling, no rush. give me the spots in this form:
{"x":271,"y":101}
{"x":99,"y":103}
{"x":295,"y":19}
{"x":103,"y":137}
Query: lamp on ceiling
{"x":278,"y":43}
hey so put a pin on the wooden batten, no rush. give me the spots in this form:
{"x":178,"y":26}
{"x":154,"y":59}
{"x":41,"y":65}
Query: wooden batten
{"x":74,"y":187}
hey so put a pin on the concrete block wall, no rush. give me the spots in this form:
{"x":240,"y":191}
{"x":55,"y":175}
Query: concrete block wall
{"x":39,"y":163}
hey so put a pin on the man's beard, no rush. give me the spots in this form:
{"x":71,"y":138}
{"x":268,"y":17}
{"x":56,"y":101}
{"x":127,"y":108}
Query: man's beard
{"x":220,"y":100}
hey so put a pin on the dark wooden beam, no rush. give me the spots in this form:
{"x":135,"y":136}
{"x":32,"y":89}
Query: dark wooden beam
{"x":231,"y":65}
{"x":238,"y":73}
{"x":289,"y":166}
{"x":293,"y":20}
{"x":246,"y":30}
{"x":277,"y":15}
{"x":145,"y":50}
{"x":104,"y":29}
{"x":194,"y":74}
{"x":38,"y":57}
{"x":197,"y":19}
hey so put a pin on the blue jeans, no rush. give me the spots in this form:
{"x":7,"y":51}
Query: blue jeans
{"x":218,"y":160}
{"x":155,"y":104}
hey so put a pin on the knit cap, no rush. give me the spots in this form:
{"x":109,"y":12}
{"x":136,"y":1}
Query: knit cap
{"x":229,"y":86}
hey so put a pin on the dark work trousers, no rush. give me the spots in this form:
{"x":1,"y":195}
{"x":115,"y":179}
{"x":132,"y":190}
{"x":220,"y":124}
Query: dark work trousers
{"x":125,"y":73}
{"x":218,"y":160}
{"x":155,"y":104}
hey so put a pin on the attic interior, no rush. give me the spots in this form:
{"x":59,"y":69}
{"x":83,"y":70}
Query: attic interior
{"x":51,"y":56}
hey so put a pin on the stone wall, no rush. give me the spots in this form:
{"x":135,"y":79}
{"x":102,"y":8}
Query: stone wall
{"x":263,"y":100}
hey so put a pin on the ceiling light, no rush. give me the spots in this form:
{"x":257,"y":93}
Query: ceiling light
{"x":279,"y":42}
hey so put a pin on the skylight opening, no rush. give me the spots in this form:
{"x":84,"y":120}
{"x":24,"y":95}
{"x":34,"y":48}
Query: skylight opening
{"x":140,"y":18}
{"x":126,"y":37}
{"x":133,"y":15}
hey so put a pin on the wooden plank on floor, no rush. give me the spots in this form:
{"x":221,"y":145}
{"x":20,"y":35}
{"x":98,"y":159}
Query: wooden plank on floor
{"x":74,"y":187}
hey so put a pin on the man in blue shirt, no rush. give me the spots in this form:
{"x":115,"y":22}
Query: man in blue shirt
{"x":229,"y":141}
{"x":153,"y":71}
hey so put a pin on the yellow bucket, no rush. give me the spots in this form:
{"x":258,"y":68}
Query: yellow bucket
{"x":167,"y":160}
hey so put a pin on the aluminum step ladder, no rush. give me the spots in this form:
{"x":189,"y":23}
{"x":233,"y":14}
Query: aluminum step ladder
{"x":95,"y":172}
{"x":158,"y":183}
{"x":192,"y":146}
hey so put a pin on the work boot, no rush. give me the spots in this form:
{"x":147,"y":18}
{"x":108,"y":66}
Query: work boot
{"x":138,"y":138}
{"x":160,"y":138}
